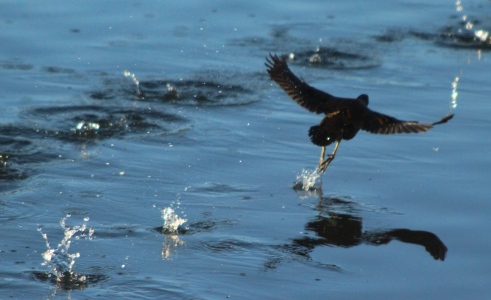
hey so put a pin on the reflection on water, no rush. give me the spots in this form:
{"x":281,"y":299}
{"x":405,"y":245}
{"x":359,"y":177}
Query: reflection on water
{"x":170,"y":246}
{"x":339,"y":224}
{"x":345,"y":230}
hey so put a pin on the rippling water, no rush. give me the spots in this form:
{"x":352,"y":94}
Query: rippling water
{"x":158,"y":122}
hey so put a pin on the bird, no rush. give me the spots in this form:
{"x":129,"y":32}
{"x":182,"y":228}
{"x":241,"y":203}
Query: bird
{"x":344,"y":117}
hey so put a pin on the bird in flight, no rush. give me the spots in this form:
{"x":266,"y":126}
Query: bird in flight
{"x":344,"y":117}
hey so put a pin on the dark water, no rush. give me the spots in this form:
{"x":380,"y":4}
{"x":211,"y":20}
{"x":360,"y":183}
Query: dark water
{"x":113,"y":111}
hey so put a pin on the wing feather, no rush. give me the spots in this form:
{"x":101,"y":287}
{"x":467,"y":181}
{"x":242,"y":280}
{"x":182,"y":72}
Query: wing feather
{"x":375,"y":122}
{"x":321,"y":102}
{"x":308,"y":97}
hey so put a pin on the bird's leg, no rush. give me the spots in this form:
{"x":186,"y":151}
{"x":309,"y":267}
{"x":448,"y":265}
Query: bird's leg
{"x":323,"y":154}
{"x":323,"y":164}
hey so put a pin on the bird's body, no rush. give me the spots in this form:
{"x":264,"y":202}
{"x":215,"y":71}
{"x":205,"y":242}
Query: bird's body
{"x":344,"y":117}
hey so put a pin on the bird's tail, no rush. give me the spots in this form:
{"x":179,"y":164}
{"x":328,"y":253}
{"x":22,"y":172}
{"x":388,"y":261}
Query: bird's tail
{"x":444,"y":119}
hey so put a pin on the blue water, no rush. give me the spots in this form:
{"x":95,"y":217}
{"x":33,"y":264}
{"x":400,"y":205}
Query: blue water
{"x":79,"y":137}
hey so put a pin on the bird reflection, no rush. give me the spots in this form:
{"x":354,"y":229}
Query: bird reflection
{"x":344,"y":230}
{"x":344,"y":117}
{"x":339,"y":224}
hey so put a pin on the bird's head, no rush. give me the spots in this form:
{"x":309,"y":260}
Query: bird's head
{"x":363,"y":98}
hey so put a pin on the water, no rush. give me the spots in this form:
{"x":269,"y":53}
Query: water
{"x":61,"y":261}
{"x":158,"y":122}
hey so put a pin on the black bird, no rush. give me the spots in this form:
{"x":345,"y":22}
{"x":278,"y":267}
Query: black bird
{"x":344,"y":117}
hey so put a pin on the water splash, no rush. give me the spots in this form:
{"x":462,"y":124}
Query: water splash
{"x":86,"y":129}
{"x":172,"y":221}
{"x":307,"y":179}
{"x":60,"y":260}
{"x":172,"y":93}
{"x":479,"y":35}
{"x":134,"y":79}
{"x":82,"y":125}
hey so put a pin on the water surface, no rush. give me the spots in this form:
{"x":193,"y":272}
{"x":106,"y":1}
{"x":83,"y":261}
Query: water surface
{"x":114,"y":111}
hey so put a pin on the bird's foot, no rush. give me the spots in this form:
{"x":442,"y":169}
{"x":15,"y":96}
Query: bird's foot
{"x":323,"y":166}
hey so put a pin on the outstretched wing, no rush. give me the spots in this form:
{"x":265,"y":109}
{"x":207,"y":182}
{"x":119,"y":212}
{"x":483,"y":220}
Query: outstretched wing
{"x":375,"y":122}
{"x":308,"y":97}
